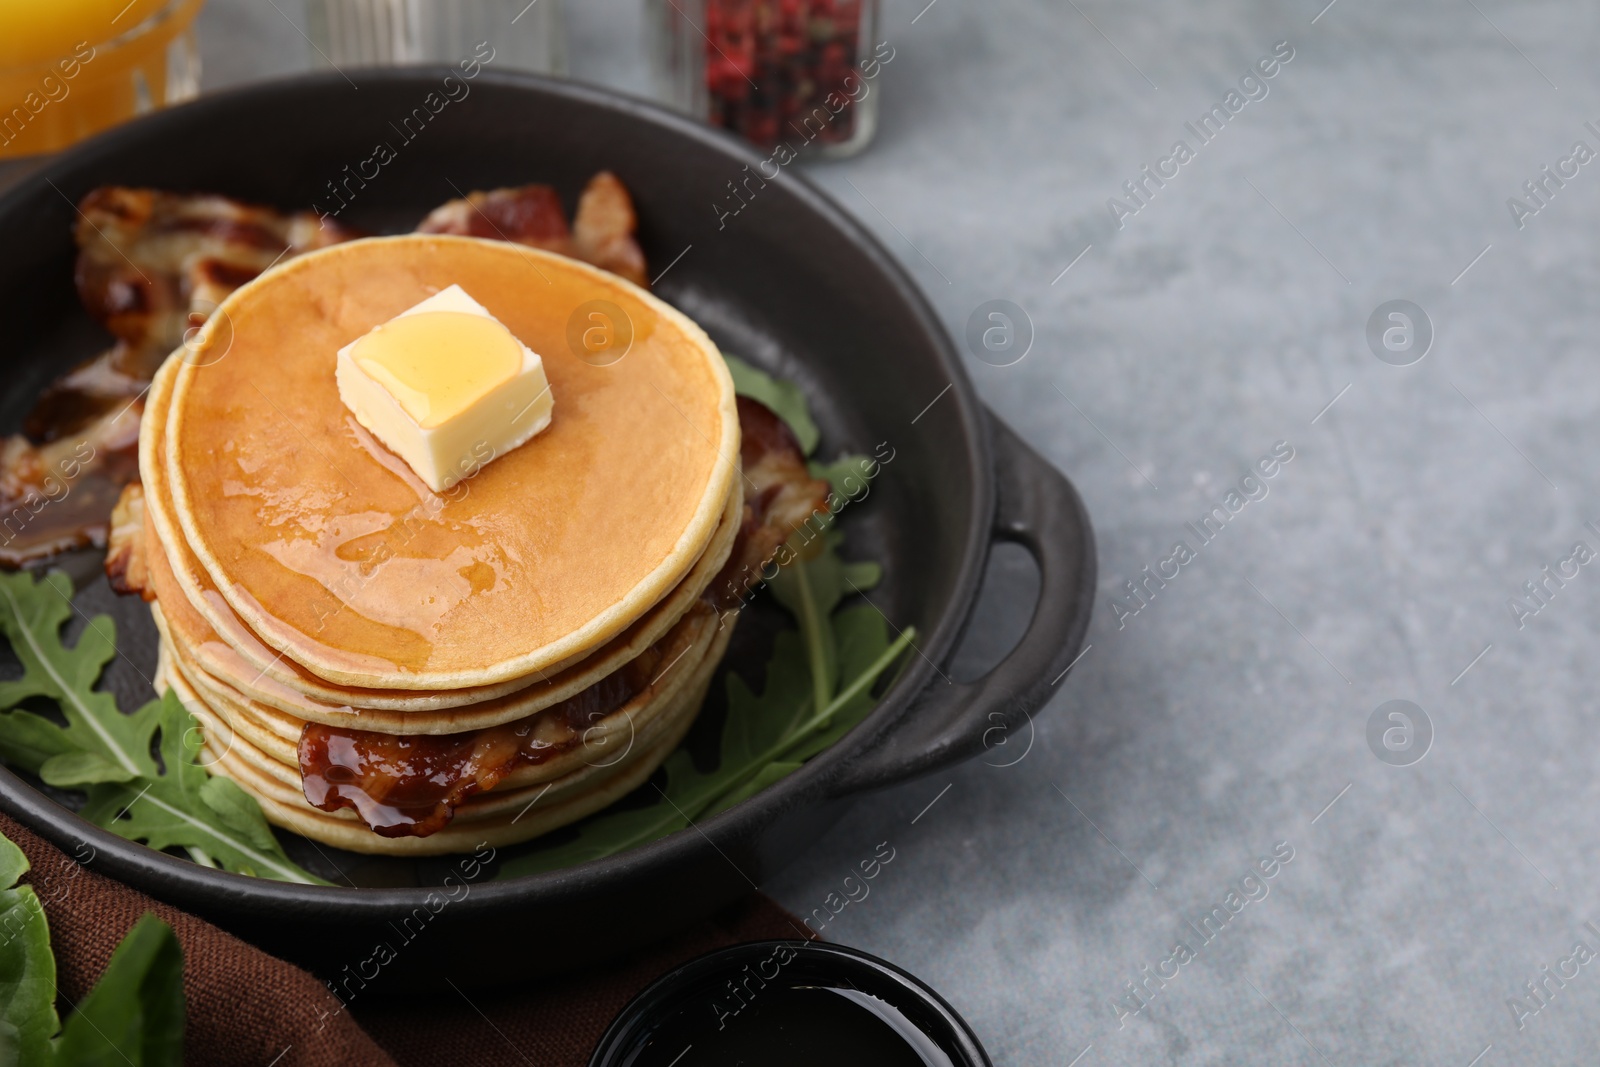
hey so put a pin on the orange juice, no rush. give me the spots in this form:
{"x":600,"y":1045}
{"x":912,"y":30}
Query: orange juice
{"x":70,"y":68}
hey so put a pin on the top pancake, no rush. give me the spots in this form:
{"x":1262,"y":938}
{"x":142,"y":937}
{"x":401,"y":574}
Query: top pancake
{"x":334,"y":553}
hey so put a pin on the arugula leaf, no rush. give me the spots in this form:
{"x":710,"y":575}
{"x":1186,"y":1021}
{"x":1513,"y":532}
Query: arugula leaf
{"x":611,"y":832}
{"x":31,"y":615}
{"x":795,"y":590}
{"x":134,"y":1014}
{"x":838,"y":473}
{"x":784,"y":398}
{"x":108,"y":754}
{"x":769,"y":774}
{"x":811,"y":593}
{"x":862,"y":635}
{"x":808,"y":731}
{"x":67,"y":769}
{"x":186,"y":807}
{"x":27,"y":968}
{"x":757,"y":723}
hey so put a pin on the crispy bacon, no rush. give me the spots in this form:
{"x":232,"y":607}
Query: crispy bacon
{"x":81,"y":396}
{"x":602,"y":232}
{"x":57,"y":496}
{"x":152,"y":264}
{"x":603,"y":229}
{"x":410,"y":786}
{"x":780,"y":499}
{"x":151,"y":267}
{"x":525,"y":214}
{"x":125,"y":559}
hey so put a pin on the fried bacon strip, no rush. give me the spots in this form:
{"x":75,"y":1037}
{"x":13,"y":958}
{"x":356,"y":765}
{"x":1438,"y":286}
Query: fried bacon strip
{"x":57,"y":496}
{"x":602,"y":232}
{"x":125,"y":559}
{"x":83,"y":395}
{"x":410,"y":786}
{"x":780,"y":499}
{"x":604,"y":227}
{"x":524,"y":214}
{"x":153,"y":265}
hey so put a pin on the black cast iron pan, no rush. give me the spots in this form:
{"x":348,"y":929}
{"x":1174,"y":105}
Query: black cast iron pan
{"x":791,"y":283}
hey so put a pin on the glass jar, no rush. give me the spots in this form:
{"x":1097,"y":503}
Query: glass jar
{"x":523,"y":35}
{"x":776,"y":72}
{"x":71,"y":68}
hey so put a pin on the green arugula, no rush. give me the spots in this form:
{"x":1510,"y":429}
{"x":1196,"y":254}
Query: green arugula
{"x":107,"y":754}
{"x":818,"y":682}
{"x":27,"y":969}
{"x":134,"y":1014}
{"x":784,"y":398}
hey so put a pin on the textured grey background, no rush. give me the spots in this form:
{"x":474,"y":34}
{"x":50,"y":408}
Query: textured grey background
{"x":1224,"y":719}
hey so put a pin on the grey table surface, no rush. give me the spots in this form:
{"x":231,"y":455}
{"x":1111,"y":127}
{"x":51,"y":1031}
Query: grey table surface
{"x":1230,"y":716}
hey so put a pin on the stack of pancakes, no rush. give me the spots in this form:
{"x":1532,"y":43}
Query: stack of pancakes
{"x":438,"y":670}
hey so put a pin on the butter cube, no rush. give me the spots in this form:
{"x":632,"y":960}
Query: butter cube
{"x":445,"y":386}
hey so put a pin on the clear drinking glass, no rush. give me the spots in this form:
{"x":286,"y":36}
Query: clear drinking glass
{"x":71,"y":68}
{"x":364,"y":33}
{"x":795,"y":73}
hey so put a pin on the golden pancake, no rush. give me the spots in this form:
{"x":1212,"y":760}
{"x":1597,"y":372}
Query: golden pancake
{"x":186,"y":626}
{"x":332,"y":552}
{"x":198,"y":615}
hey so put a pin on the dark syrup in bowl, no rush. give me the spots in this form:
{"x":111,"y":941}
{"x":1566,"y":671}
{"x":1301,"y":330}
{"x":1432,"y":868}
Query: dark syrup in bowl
{"x":788,"y":1004}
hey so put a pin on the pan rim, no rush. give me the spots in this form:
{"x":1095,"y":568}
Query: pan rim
{"x":185,"y":883}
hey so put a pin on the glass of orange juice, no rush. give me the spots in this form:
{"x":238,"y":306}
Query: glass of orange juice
{"x":70,"y":68}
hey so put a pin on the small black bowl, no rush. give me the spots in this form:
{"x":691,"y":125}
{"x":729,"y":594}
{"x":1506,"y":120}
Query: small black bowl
{"x":786,"y":1002}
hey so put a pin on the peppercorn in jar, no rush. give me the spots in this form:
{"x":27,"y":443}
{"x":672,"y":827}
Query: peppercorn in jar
{"x":795,"y":72}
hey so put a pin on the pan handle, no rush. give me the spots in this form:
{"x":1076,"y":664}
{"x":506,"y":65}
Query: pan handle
{"x":1039,"y":509}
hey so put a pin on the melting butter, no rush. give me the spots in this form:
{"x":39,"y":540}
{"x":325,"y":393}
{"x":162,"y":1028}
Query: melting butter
{"x":437,"y":364}
{"x":445,"y":386}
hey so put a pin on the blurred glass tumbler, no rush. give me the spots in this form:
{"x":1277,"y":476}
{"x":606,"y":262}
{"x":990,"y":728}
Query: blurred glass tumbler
{"x":71,"y":68}
{"x":368,"y":33}
{"x":777,"y":72}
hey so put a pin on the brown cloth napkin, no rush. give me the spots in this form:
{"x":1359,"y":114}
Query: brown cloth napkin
{"x":254,"y":1010}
